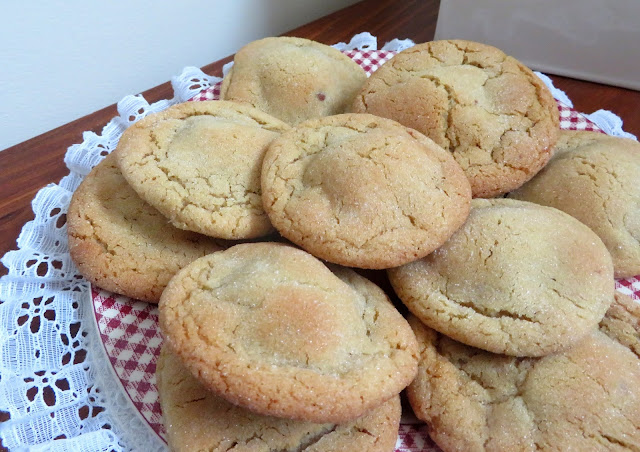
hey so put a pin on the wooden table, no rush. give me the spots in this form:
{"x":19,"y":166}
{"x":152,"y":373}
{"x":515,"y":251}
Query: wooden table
{"x":27,"y":167}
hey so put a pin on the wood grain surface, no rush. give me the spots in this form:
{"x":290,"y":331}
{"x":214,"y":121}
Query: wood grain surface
{"x":29,"y":166}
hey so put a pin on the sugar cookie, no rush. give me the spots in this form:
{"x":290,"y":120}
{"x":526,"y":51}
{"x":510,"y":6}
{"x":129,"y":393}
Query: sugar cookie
{"x":293,"y":79}
{"x":363,"y":191}
{"x":269,"y":327}
{"x":494,"y":115}
{"x":517,"y":278}
{"x":585,"y":398}
{"x":199,"y":164}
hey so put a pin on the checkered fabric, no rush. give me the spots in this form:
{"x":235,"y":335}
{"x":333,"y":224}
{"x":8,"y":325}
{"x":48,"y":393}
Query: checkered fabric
{"x":129,"y":331}
{"x":572,"y":120}
{"x":129,"y":328}
{"x":414,"y":438}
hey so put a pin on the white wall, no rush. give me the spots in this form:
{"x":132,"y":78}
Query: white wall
{"x":62,"y":60}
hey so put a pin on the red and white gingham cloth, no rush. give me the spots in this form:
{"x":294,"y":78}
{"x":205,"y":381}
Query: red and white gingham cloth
{"x":129,"y":328}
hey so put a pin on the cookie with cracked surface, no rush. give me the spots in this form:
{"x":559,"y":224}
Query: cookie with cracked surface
{"x":199,"y":164}
{"x":120,"y":243}
{"x":622,"y":322}
{"x":517,"y":278}
{"x":197,"y":419}
{"x":494,"y":115}
{"x":270,"y":328}
{"x":293,"y":79}
{"x":596,"y":179}
{"x":363,"y":191}
{"x":585,"y":398}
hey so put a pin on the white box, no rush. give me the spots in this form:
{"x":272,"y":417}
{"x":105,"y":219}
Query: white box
{"x":595,"y":40}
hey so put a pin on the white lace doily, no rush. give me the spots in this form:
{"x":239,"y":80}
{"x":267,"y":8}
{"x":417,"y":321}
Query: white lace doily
{"x":49,"y":343}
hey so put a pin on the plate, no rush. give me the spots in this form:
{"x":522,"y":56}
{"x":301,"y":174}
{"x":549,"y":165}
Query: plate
{"x":129,"y":328}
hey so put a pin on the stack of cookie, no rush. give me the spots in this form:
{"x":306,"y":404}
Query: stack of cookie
{"x":181,"y":184}
{"x":269,"y":348}
{"x":507,"y":315}
{"x":583,"y":398}
{"x":309,"y":358}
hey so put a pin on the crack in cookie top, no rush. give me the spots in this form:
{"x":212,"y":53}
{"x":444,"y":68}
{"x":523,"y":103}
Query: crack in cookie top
{"x":517,"y":278}
{"x":584,"y":398}
{"x":363,"y":191}
{"x":269,"y":327}
{"x":198,"y":419}
{"x":199,"y":164}
{"x":622,"y":322}
{"x":494,"y":114}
